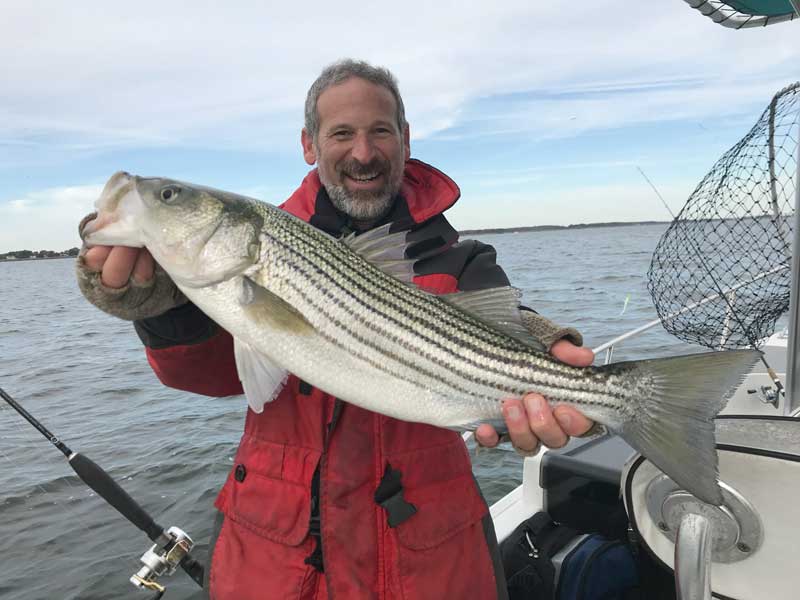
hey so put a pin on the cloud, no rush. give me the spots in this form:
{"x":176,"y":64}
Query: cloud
{"x":95,"y":84}
{"x":565,"y":114}
{"x":99,"y":74}
{"x":46,"y":219}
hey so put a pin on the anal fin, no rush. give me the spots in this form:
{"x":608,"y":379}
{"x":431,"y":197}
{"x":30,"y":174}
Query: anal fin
{"x":261,"y":379}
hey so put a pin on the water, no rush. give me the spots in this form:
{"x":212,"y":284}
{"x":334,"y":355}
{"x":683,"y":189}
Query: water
{"x":84,"y":375}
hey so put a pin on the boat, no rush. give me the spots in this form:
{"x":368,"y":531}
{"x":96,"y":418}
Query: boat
{"x":743,"y":550}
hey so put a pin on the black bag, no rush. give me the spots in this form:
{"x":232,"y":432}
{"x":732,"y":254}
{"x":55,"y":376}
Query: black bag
{"x":596,"y":568}
{"x":527,"y":557}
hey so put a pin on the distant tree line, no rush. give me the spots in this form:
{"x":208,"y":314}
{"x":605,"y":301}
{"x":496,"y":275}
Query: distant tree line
{"x":559,"y":227}
{"x":34,"y":254}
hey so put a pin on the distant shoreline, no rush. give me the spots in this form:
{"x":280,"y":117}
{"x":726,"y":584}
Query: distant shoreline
{"x":561,"y":227}
{"x":13,"y":260}
{"x":490,"y":230}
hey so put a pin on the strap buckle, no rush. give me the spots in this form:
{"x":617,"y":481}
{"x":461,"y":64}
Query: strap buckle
{"x":389,"y":495}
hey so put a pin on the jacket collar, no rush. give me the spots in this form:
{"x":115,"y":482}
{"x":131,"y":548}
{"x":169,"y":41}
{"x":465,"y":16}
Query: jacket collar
{"x":424,"y":193}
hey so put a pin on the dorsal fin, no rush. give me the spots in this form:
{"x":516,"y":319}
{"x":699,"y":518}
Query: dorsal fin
{"x":498,"y":307}
{"x":385,"y":250}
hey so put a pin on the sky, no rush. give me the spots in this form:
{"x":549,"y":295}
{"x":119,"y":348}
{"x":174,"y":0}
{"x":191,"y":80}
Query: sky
{"x":544,"y":113}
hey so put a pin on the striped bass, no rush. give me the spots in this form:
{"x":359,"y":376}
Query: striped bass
{"x":343,"y":315}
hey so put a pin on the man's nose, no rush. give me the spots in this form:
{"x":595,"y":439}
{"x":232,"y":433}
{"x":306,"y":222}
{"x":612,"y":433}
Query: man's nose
{"x":363,"y":150}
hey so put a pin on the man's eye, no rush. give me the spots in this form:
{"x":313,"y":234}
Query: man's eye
{"x":341,"y":134}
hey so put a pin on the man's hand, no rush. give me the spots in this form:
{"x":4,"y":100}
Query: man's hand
{"x":117,"y":264}
{"x":531,"y":421}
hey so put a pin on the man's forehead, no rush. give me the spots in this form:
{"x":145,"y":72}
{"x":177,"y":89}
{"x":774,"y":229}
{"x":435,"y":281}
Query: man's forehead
{"x":356,"y":98}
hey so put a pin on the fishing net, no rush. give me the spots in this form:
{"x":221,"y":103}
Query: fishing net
{"x":720,"y":275}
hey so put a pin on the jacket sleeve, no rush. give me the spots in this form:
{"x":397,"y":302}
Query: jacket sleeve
{"x":190,"y":352}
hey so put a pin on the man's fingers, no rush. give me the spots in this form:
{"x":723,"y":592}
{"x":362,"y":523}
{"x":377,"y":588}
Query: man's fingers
{"x":95,"y":257}
{"x":542,"y":422}
{"x":572,"y":422}
{"x":119,"y":266}
{"x":569,"y":353}
{"x":486,"y":435}
{"x":518,"y":428}
{"x":144,"y":267}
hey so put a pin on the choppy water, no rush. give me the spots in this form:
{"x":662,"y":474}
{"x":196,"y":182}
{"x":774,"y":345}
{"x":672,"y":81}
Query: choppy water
{"x":84,"y":375}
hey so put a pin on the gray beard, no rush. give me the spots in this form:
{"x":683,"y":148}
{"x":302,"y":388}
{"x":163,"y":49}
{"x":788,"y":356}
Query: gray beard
{"x":359,"y":206}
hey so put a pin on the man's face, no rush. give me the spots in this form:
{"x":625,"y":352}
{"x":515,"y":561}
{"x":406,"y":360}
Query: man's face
{"x":359,"y":151}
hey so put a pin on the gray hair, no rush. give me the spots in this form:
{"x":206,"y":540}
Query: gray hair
{"x":341,"y":71}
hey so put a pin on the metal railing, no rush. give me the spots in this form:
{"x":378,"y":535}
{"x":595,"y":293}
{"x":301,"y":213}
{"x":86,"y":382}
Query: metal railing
{"x":730,"y":293}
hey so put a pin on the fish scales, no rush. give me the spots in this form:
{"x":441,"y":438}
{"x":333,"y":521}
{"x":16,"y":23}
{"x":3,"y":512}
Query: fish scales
{"x":518,"y":383}
{"x":335,"y":260}
{"x":416,"y":317}
{"x":371,"y":302}
{"x":380,"y":281}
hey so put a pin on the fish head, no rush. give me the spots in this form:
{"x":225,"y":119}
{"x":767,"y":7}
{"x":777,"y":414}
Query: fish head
{"x":199,"y":235}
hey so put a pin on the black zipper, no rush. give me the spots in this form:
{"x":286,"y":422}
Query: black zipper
{"x":316,"y":558}
{"x":337,"y":410}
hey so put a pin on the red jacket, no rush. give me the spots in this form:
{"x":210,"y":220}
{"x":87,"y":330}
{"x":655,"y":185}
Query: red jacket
{"x":440,"y":543}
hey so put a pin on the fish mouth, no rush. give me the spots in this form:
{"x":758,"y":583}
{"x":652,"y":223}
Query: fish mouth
{"x":117,"y":206}
{"x":93,"y":224}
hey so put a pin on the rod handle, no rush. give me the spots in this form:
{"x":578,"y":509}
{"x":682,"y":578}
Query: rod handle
{"x":101,"y":482}
{"x":194,"y":569}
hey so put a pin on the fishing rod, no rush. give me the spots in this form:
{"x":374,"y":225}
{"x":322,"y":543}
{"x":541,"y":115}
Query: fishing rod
{"x":171,"y":547}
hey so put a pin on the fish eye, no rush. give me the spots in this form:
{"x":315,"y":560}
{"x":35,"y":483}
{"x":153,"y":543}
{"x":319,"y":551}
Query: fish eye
{"x":169,"y":193}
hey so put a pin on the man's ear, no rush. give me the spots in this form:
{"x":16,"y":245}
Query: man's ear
{"x":407,"y":141}
{"x":307,"y":141}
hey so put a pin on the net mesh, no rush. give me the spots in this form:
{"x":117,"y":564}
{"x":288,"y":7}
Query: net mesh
{"x":720,"y":275}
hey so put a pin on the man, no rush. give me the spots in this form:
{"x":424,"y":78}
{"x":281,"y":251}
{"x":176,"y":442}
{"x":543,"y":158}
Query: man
{"x":328,"y":500}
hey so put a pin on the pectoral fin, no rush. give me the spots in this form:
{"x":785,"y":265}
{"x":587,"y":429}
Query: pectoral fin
{"x":265,"y":308}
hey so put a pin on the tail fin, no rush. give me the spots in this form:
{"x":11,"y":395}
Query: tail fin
{"x":673,"y":424}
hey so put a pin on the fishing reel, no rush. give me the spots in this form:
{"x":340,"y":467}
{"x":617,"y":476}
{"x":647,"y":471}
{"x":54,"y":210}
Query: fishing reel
{"x":162,"y":559}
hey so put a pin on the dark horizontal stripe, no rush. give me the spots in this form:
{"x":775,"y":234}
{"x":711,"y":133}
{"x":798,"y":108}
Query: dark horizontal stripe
{"x":379,"y":366}
{"x":517,"y":385}
{"x":458,"y":342}
{"x":572,"y":383}
{"x":496,"y":342}
{"x":416,"y":299}
{"x":532,"y":364}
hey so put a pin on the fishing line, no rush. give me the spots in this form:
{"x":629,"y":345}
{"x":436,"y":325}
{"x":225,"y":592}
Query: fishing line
{"x":753,"y":342}
{"x":4,"y":455}
{"x":4,"y":408}
{"x":172,"y":546}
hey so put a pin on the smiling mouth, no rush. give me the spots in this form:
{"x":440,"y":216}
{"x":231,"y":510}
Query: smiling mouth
{"x":363,"y":178}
